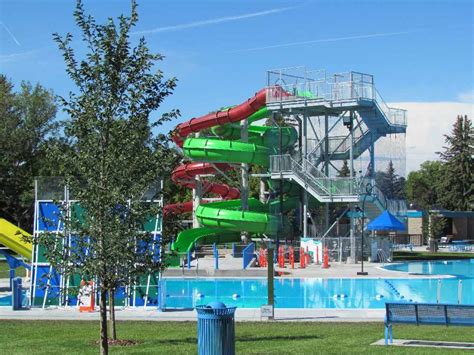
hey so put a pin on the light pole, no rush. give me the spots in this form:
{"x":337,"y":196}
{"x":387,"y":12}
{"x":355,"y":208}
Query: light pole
{"x":368,"y":190}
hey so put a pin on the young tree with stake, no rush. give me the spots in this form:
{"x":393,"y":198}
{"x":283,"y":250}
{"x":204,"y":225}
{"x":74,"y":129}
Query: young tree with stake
{"x":114,"y":157}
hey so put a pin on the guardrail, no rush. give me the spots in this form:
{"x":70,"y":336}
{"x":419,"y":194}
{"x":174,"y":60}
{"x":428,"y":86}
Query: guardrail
{"x":313,"y":177}
{"x":353,"y":87}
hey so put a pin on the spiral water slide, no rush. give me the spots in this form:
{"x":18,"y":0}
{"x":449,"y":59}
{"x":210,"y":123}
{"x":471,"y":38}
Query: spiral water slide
{"x":224,"y":221}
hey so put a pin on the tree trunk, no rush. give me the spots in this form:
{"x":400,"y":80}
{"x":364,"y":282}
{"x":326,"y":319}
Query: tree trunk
{"x":112,"y":329}
{"x":104,"y":344}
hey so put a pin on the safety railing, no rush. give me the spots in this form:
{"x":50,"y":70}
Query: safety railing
{"x":396,"y":207}
{"x":313,"y":177}
{"x":395,"y":116}
{"x":325,"y":186}
{"x":342,"y":87}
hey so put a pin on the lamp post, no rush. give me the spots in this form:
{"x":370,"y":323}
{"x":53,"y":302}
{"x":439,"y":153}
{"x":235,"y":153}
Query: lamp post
{"x":368,"y":190}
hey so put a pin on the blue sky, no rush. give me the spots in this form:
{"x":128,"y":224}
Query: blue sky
{"x":418,"y":51}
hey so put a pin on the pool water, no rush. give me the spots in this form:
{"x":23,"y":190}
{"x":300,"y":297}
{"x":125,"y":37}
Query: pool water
{"x":459,"y":268}
{"x":5,"y":300}
{"x":329,"y":293}
{"x":344,"y":293}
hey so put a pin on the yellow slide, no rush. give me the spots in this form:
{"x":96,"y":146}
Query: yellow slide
{"x":11,"y":237}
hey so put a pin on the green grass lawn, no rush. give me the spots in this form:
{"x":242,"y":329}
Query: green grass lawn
{"x":426,"y":255}
{"x":5,"y":270}
{"x":78,"y":337}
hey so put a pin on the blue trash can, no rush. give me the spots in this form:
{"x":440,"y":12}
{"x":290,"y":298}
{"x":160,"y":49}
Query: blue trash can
{"x":216,"y":331}
{"x":17,"y":294}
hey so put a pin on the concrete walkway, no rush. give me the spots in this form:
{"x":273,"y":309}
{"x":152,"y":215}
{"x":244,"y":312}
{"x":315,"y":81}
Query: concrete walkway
{"x":242,"y":314}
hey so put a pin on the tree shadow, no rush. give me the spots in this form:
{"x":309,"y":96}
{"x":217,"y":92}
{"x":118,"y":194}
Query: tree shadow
{"x":180,"y":341}
{"x":285,"y":319}
{"x":194,"y":340}
{"x":275,"y":337}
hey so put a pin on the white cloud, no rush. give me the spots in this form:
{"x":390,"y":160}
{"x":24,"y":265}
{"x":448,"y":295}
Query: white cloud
{"x":427,"y":123}
{"x":5,"y":58}
{"x":467,"y":96}
{"x":211,"y":21}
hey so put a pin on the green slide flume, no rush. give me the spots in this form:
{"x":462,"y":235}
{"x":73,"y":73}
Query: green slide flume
{"x":224,"y":221}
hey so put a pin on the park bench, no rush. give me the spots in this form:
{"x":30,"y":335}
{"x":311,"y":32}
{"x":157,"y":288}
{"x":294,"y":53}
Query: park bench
{"x":426,"y":313}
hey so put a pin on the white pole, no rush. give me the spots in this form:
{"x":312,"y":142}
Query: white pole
{"x":460,"y":292}
{"x":438,"y":293}
{"x":34,"y":253}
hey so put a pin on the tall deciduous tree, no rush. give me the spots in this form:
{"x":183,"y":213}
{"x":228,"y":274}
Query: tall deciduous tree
{"x":423,"y":186}
{"x":27,"y":128}
{"x":458,"y":156}
{"x":114,"y":156}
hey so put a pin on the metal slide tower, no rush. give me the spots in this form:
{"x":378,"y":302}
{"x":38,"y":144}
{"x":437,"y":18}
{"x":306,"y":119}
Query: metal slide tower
{"x":338,"y":117}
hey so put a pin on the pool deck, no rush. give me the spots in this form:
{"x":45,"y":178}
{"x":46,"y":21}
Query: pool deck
{"x":242,"y":314}
{"x":232,"y":267}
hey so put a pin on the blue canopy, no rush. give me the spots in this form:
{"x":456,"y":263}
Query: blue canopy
{"x":386,"y":222}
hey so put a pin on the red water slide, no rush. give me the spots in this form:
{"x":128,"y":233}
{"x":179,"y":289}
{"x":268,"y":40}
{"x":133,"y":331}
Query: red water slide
{"x":184,"y":174}
{"x":234,"y":114}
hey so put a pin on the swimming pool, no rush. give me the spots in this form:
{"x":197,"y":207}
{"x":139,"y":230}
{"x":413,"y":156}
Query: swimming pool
{"x":459,"y":268}
{"x":328,"y":293}
{"x":324,"y":293}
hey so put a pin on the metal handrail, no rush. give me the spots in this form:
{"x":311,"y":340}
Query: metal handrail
{"x":324,"y":185}
{"x":325,"y":90}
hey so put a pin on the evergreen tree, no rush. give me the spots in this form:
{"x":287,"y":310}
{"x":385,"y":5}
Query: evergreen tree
{"x":392,"y":185}
{"x":458,"y":158}
{"x":345,"y":171}
{"x":114,"y":157}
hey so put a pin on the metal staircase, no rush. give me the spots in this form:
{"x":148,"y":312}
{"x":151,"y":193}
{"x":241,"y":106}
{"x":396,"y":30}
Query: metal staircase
{"x":339,"y":146}
{"x":333,"y":189}
{"x":324,"y":104}
{"x":320,"y":186}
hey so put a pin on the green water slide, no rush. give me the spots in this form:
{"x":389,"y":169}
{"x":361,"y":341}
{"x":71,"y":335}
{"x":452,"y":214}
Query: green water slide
{"x":224,"y":221}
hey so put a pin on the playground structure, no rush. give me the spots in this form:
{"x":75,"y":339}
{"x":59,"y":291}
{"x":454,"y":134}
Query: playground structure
{"x":50,"y":287}
{"x":292,"y":136}
{"x":314,"y":122}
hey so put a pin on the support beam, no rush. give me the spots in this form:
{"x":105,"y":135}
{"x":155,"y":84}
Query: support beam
{"x":372,"y":158}
{"x":244,"y":171}
{"x":197,"y":196}
{"x":326,"y":166}
{"x":353,"y":257}
{"x":263,"y":189}
{"x":244,"y":191}
{"x":304,"y":211}
{"x":351,"y":148}
{"x":305,"y":214}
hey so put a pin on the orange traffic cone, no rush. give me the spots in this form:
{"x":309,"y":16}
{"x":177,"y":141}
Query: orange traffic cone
{"x":326,"y":258}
